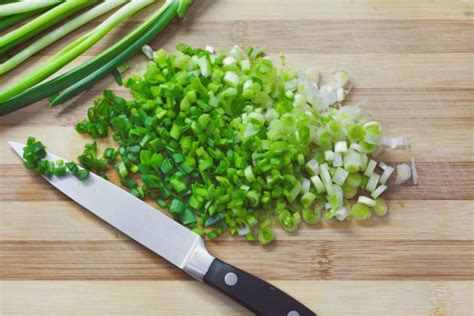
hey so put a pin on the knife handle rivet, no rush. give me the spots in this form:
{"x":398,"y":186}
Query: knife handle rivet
{"x":293,"y":313}
{"x":230,"y":279}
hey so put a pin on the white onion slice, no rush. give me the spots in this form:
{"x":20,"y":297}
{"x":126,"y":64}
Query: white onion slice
{"x":365,"y":200}
{"x":306,"y":185}
{"x":337,"y":160}
{"x":414,"y":173}
{"x":147,"y":51}
{"x":328,"y":95}
{"x":396,"y":142}
{"x":386,"y":174}
{"x":377,"y":192}
{"x":383,"y":165}
{"x":403,"y":173}
{"x":313,"y":74}
{"x":243,"y":230}
{"x":342,"y":214}
{"x":210,"y":49}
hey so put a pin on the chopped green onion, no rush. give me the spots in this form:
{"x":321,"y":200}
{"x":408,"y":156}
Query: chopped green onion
{"x":326,"y":177}
{"x":380,"y":207}
{"x":353,"y":161}
{"x":227,"y":141}
{"x":366,"y":201}
{"x":349,"y":191}
{"x":378,"y":191}
{"x":361,"y":211}
{"x":340,"y":147}
{"x":354,"y":180}
{"x":337,"y":160}
{"x":318,"y":184}
{"x":342,"y":214}
{"x":308,"y":199}
{"x":34,"y":154}
{"x":386,"y":174}
{"x":403,"y":173}
{"x":372,"y":183}
{"x":370,"y":168}
{"x":265,"y":235}
{"x":373,"y":134}
{"x":311,"y":216}
{"x":329,"y":155}
{"x":340,"y":176}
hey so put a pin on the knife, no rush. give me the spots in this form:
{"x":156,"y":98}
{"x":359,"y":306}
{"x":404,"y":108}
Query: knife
{"x":172,"y":241}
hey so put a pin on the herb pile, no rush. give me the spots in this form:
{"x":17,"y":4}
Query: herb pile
{"x":34,"y":154}
{"x":229,"y":141}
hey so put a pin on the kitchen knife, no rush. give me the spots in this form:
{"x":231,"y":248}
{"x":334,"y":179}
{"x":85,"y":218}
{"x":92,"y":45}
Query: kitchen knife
{"x":172,"y":241}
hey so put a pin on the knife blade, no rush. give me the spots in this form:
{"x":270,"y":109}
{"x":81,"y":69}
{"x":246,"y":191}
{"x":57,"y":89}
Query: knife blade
{"x":172,"y":241}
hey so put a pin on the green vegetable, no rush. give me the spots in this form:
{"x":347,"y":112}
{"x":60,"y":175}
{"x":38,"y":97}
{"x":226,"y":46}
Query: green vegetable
{"x":366,"y":201}
{"x":60,"y":32}
{"x":311,"y":216}
{"x":403,"y":173}
{"x":90,"y":160}
{"x":361,"y":211}
{"x":169,"y":10}
{"x":226,"y":141}
{"x":74,"y":49}
{"x":25,"y":6}
{"x":265,"y":235}
{"x":207,"y":144}
{"x":14,"y":19}
{"x":381,"y":207}
{"x":288,"y":221}
{"x":81,"y":174}
{"x":94,"y":68}
{"x":34,"y":154}
{"x":41,"y":23}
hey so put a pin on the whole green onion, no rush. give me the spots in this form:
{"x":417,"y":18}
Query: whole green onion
{"x":168,"y":14}
{"x":41,"y":23}
{"x":60,"y":32}
{"x":73,"y":50}
{"x":55,"y":85}
{"x":25,"y":6}
{"x":12,"y":20}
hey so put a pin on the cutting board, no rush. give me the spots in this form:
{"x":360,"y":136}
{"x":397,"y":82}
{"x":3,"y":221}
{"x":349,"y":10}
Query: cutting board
{"x":412,"y":66}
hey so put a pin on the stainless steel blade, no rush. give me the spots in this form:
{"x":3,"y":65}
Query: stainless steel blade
{"x":135,"y":218}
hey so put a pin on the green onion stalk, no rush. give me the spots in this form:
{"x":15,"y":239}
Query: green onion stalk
{"x":44,"y":90}
{"x":14,"y":8}
{"x":74,"y":49}
{"x":164,"y":16}
{"x":41,"y":23}
{"x":59,"y":33}
{"x":17,"y":18}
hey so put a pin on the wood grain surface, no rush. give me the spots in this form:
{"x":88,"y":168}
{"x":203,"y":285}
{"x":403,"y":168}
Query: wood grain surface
{"x":412,"y":64}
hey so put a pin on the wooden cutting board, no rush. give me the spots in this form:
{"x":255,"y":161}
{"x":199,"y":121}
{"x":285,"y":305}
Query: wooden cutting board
{"x":412,"y":65}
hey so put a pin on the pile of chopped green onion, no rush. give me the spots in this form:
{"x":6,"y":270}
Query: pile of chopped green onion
{"x":34,"y":154}
{"x":31,"y":88}
{"x":229,"y":141}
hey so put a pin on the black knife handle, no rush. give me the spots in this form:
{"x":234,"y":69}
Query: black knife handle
{"x":257,"y":295}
